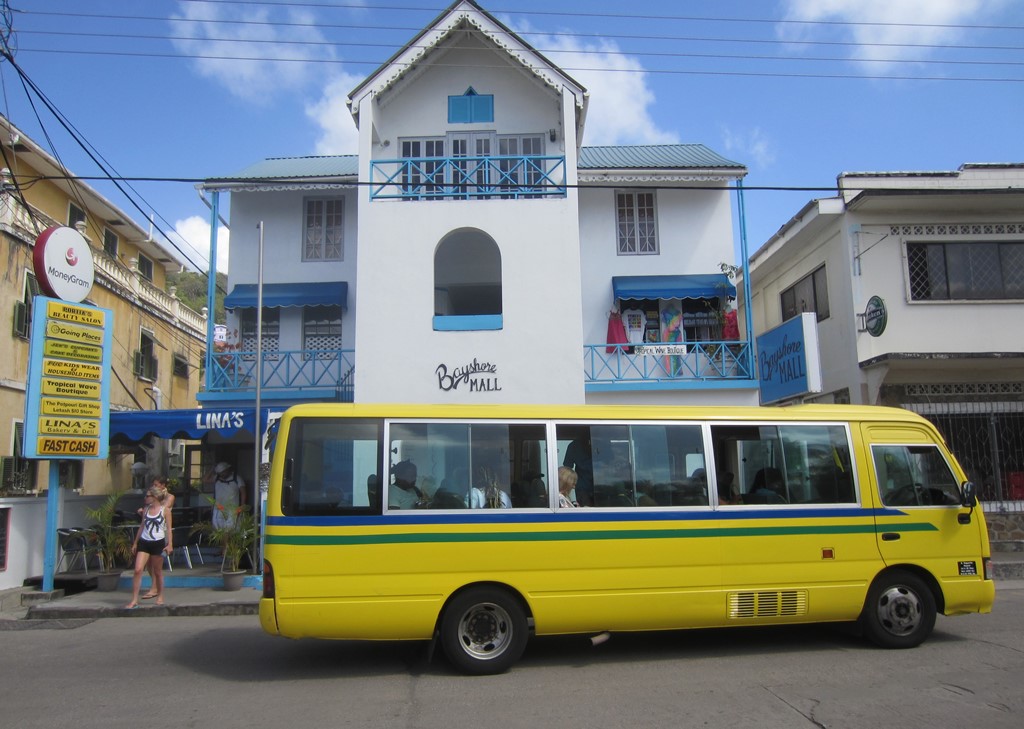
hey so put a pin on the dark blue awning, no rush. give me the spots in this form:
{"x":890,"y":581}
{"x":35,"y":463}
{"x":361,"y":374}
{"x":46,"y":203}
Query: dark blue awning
{"x":134,"y":426}
{"x":277,"y":295}
{"x":687,"y":286}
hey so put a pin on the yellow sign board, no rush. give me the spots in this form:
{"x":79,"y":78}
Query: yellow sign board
{"x":70,"y":388}
{"x":75,"y":314}
{"x":80,"y":370}
{"x":68,"y":446}
{"x":69,"y":426}
{"x":71,"y":408}
{"x":73,"y":333}
{"x":69,"y":350}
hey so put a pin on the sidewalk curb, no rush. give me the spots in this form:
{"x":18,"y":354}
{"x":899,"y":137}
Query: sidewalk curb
{"x":57,"y":612}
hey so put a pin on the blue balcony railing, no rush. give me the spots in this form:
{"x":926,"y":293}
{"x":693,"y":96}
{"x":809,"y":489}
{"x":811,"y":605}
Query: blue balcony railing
{"x":318,"y":371}
{"x":668,"y":364}
{"x":464,"y":178}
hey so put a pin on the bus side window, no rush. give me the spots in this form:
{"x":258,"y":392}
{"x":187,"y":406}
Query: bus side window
{"x":914,"y":476}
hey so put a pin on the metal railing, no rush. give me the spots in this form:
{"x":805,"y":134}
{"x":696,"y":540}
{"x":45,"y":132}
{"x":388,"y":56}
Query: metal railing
{"x":464,"y":178}
{"x":668,"y":362}
{"x":309,"y":369}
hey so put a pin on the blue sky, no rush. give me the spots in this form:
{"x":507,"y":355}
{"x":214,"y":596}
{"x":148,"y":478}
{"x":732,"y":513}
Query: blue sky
{"x":797,"y":90}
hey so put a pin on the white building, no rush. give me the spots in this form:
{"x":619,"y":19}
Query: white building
{"x":944,"y":254}
{"x":473,"y":249}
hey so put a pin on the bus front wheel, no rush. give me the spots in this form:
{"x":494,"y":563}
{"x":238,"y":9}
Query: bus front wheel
{"x":900,"y":610}
{"x":484,"y":631}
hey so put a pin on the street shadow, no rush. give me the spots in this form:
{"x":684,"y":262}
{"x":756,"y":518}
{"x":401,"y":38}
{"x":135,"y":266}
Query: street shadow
{"x":247,"y":654}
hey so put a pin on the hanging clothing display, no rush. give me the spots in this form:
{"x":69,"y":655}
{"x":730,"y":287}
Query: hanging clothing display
{"x":672,"y":331}
{"x":616,"y":332}
{"x":635,"y":325}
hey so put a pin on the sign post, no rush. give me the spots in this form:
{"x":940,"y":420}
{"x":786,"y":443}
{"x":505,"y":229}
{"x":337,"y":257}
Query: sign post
{"x":67,"y":393}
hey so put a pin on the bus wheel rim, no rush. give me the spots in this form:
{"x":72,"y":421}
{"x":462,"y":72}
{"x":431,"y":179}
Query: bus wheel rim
{"x":899,"y":610}
{"x":485,"y":631}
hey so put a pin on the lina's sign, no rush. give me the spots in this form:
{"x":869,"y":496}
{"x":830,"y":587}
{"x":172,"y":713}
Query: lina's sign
{"x":474,"y":377}
{"x":788,"y":360}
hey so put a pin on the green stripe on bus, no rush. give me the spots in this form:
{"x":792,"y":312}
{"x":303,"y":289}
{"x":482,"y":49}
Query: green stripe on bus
{"x":465,"y":537}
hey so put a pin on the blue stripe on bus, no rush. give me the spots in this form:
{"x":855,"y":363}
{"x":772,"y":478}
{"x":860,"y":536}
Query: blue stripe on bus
{"x":491,"y":516}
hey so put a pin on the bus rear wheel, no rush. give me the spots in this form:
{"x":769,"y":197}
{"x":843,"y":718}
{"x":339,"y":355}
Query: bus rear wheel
{"x":899,"y":612}
{"x":484,"y":631}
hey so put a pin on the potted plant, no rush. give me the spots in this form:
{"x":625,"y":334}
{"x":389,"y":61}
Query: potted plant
{"x":235,"y":537}
{"x":112,"y":542}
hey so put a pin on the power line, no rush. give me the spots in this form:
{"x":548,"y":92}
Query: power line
{"x":80,"y":140}
{"x":566,"y":34}
{"x":580,"y":51}
{"x":614,"y":16}
{"x":569,"y":69}
{"x":329,"y":180}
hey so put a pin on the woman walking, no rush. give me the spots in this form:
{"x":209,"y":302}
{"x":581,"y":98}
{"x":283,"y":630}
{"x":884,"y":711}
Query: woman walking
{"x":150,"y":544}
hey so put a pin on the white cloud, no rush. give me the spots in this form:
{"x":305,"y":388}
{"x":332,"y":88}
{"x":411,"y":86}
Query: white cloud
{"x":338,"y":133}
{"x":878,"y":24}
{"x":620,"y":97}
{"x":193,"y":235}
{"x":750,"y":144}
{"x":240,"y":55}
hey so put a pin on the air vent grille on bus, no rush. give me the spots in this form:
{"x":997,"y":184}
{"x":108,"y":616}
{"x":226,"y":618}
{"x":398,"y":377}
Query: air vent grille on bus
{"x":767,"y":604}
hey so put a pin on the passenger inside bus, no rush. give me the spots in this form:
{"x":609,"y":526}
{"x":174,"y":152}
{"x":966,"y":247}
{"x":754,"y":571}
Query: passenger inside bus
{"x":404,"y":494}
{"x":726,"y":492}
{"x":769,"y":487}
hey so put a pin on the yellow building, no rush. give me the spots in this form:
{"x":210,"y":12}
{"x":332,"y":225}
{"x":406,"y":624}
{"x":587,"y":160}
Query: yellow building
{"x":158,"y":342}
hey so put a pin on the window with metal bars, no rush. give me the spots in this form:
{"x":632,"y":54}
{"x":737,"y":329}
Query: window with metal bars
{"x":636,"y":223}
{"x":965,"y":271}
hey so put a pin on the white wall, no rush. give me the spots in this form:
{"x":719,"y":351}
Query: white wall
{"x":418,"y":105}
{"x":26,"y":537}
{"x":695,"y":235}
{"x":282,"y":215}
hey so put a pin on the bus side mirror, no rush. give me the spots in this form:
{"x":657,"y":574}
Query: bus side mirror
{"x":968,"y":494}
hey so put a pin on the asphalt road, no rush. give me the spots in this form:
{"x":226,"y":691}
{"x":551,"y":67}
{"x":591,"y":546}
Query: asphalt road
{"x":224,"y":672}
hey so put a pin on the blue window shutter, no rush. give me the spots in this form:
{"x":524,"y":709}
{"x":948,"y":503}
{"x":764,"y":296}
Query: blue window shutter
{"x":470,"y":107}
{"x":460,"y":109}
{"x":483,"y":108}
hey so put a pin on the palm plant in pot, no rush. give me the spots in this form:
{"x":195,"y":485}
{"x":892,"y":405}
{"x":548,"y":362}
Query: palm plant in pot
{"x":235,"y":534}
{"x":112,"y":542}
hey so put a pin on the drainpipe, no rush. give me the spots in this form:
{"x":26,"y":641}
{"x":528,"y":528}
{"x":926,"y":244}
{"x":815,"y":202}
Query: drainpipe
{"x":746,"y":277}
{"x":211,"y":284}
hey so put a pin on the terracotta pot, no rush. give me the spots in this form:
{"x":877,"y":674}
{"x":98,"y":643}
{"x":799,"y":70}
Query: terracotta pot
{"x":233,"y":580}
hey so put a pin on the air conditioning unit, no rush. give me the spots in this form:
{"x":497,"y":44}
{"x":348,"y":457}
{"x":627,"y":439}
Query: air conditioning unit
{"x":176,"y":454}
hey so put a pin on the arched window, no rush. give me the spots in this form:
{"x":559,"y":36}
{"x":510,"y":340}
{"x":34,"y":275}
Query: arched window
{"x":467,"y":282}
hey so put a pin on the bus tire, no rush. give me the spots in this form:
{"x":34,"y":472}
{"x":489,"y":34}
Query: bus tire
{"x":484,"y":631}
{"x":900,"y":610}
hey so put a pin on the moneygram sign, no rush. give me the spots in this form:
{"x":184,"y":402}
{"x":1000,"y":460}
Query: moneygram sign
{"x":62,"y":260}
{"x":67,"y":402}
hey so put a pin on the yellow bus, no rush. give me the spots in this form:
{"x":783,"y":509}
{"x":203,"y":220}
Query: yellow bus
{"x":446,"y":523}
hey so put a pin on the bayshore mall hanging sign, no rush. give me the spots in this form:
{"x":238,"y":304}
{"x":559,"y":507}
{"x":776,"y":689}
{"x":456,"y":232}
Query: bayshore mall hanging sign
{"x":67,"y":392}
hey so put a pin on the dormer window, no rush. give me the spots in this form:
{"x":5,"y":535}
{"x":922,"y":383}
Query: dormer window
{"x":471,"y":108}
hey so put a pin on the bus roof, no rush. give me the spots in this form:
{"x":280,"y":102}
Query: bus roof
{"x":796,"y":413}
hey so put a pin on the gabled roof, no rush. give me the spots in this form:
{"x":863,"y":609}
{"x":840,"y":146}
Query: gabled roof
{"x":654,"y":156}
{"x":462,"y":15}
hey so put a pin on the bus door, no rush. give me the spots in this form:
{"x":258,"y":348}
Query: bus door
{"x":797,"y":540}
{"x":921,"y":520}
